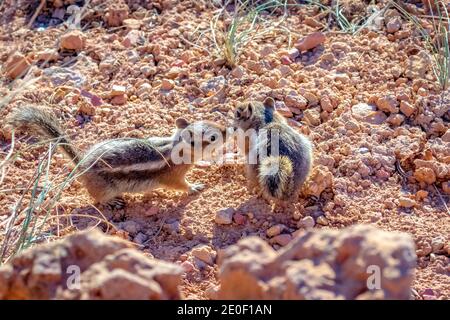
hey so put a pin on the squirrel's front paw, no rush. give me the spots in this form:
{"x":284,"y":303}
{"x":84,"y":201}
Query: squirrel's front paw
{"x":196,"y":188}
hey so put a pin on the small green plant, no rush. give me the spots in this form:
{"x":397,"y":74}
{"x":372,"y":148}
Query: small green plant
{"x":43,"y":197}
{"x":437,"y":41}
{"x":246,"y":24}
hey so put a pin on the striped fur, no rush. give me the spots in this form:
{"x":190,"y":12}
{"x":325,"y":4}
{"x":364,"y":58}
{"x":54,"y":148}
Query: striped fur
{"x":275,"y":176}
{"x":42,"y":123}
{"x":114,"y":167}
{"x":278,"y":176}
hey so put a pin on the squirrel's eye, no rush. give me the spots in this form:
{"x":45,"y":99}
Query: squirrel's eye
{"x":213,"y":138}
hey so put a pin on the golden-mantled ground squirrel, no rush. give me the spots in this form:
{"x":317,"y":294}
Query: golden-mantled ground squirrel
{"x":114,"y":167}
{"x":280,"y":173}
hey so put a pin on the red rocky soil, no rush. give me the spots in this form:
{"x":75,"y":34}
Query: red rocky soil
{"x":369,"y":103}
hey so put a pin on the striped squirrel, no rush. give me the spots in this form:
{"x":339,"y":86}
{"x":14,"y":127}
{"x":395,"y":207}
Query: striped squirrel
{"x":114,"y":167}
{"x":280,"y":176}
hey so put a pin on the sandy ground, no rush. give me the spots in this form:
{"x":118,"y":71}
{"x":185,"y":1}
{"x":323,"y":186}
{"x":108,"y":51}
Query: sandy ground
{"x":358,"y":156}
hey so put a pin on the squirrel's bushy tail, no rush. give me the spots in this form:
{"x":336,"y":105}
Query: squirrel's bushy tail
{"x":44,"y":124}
{"x":275,"y":176}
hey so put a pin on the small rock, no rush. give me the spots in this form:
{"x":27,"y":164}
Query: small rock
{"x":406,"y":202}
{"x":147,"y":71}
{"x":204,"y":253}
{"x":306,"y":223}
{"x":72,"y":40}
{"x":424,"y":174}
{"x":424,"y":248}
{"x":85,"y":107}
{"x":376,"y":216}
{"x":133,"y":56}
{"x":172,"y":227}
{"x":275,"y":230}
{"x":266,"y":50}
{"x":352,"y":126}
{"x":119,"y":100}
{"x":383,"y":174}
{"x":237,"y":72}
{"x":429,"y":294}
{"x":17,"y":65}
{"x":320,"y":179}
{"x":387,"y":104}
{"x":132,"y":38}
{"x":421,"y":194}
{"x":446,"y":136}
{"x":312,"y":117}
{"x":395,"y":119}
{"x":49,"y":55}
{"x":310,"y":21}
{"x":239,"y":219}
{"x":224,"y":216}
{"x":322,"y":220}
{"x":167,"y":85}
{"x":418,"y":65}
{"x":286,"y":60}
{"x":446,"y":187}
{"x":342,"y":77}
{"x":187,"y":266}
{"x":116,"y":14}
{"x":393,"y":25}
{"x":293,"y":54}
{"x":143,"y":91}
{"x":281,"y":239}
{"x":406,"y":108}
{"x":367,"y":113}
{"x":311,"y":41}
{"x":422,"y":92}
{"x":173,"y":73}
{"x":282,"y":109}
{"x":312,"y":98}
{"x":295,"y":101}
{"x":285,"y":70}
{"x":117,"y":90}
{"x":213,"y":85}
{"x":363,"y":150}
{"x":325,"y":103}
{"x":437,"y":243}
{"x":132,"y":24}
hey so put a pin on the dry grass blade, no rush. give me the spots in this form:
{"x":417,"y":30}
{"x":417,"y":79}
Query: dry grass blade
{"x":36,"y":13}
{"x":246,"y":24}
{"x":441,"y":198}
{"x":436,"y":42}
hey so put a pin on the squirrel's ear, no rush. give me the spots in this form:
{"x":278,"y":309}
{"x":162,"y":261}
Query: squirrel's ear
{"x":250,"y":109}
{"x":181,"y":123}
{"x":244,"y":110}
{"x":269,"y":102}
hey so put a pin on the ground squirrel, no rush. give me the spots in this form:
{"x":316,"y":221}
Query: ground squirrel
{"x":114,"y":167}
{"x":280,"y":173}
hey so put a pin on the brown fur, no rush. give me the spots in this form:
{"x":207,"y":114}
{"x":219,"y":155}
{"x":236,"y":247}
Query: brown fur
{"x":295,"y":152}
{"x":114,"y":167}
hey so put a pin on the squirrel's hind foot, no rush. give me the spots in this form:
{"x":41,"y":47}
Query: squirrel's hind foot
{"x":116,"y":203}
{"x":195,"y":188}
